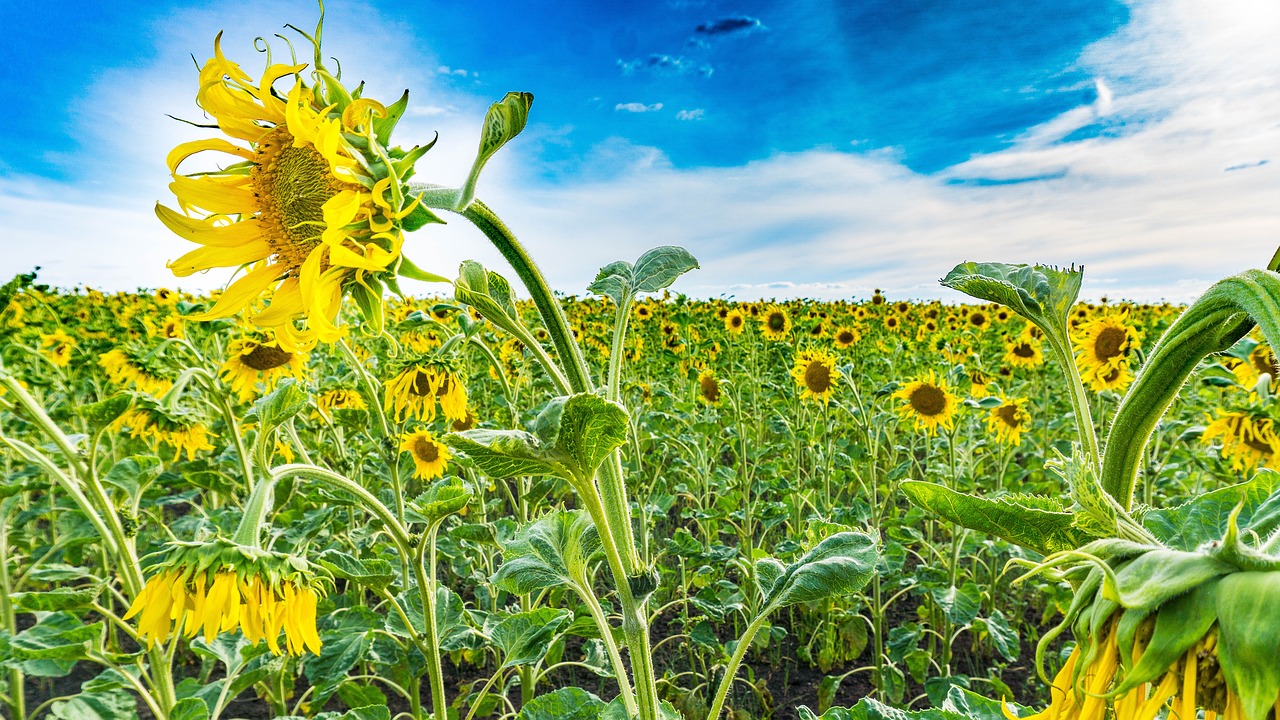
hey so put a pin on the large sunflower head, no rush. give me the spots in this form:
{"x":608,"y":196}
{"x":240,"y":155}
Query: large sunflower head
{"x":815,"y":374}
{"x":314,"y":205}
{"x":709,"y":392}
{"x":1102,"y":347}
{"x":220,"y":586}
{"x":929,"y":402}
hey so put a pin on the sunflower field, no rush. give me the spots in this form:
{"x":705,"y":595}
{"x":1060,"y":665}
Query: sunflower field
{"x":324,"y":493}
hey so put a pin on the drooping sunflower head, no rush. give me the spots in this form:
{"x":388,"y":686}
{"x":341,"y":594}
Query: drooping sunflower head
{"x":315,"y":207}
{"x":815,"y":374}
{"x":341,"y":398}
{"x":1259,"y":360}
{"x":254,"y":358}
{"x":57,"y":346}
{"x":131,"y":366}
{"x":775,"y":322}
{"x":420,"y":384}
{"x":219,"y":586}
{"x":180,"y":429}
{"x":928,"y":401}
{"x":430,"y":456}
{"x":978,"y":382}
{"x":1249,"y":439}
{"x":708,"y":387}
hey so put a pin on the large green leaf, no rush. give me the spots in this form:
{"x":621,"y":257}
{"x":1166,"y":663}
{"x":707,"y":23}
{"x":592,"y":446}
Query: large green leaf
{"x":55,"y":599}
{"x":134,"y":473}
{"x":506,"y":453}
{"x":108,"y":705}
{"x":50,"y":647}
{"x":568,"y":703}
{"x":1204,"y":519}
{"x":375,"y":573}
{"x":1036,"y":523}
{"x":446,"y":496}
{"x":552,"y":551}
{"x":276,"y":407}
{"x":525,"y":637}
{"x":1248,"y":636}
{"x":653,"y":271}
{"x":1042,"y":294}
{"x":839,"y":565}
{"x":490,"y":294}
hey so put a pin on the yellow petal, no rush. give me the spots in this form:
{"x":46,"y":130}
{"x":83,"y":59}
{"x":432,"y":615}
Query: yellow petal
{"x":209,"y":257}
{"x":187,"y":149}
{"x":241,"y":293}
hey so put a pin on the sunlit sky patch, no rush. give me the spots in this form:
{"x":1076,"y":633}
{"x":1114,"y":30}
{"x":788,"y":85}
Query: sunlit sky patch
{"x":810,"y":149}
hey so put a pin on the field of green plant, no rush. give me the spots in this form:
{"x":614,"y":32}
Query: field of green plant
{"x":321,"y":493}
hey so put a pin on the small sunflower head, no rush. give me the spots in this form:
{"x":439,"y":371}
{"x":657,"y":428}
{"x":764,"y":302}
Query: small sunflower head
{"x":709,"y":391}
{"x":815,"y":374}
{"x":421,"y":384}
{"x":928,"y":401}
{"x":430,"y":456}
{"x":208,"y":588}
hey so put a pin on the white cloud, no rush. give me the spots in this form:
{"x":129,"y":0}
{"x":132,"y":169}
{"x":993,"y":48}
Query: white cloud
{"x":635,"y":107}
{"x":455,"y":72}
{"x":695,"y":114}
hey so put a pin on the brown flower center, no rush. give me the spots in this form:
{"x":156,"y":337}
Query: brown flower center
{"x":1024,"y":350}
{"x":977,"y":319}
{"x":928,"y":400}
{"x":1008,"y":415}
{"x":425,"y":450}
{"x":421,"y":384}
{"x":1109,"y":342}
{"x":817,"y":377}
{"x":736,"y":321}
{"x":1264,"y":361}
{"x":710,"y":388}
{"x":777,"y":321}
{"x":291,"y":185}
{"x":266,"y":357}
{"x":845,"y":337}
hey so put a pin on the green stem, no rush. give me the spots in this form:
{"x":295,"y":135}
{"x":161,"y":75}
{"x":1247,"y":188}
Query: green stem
{"x":17,"y":695}
{"x":1079,"y":399}
{"x":249,"y":531}
{"x":731,"y":671}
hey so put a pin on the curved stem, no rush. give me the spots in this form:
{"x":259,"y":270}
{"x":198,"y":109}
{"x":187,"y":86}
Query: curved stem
{"x":731,"y":670}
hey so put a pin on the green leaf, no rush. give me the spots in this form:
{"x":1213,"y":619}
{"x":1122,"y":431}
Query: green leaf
{"x":552,"y":551}
{"x":591,"y":428}
{"x":525,"y":637}
{"x":374,"y":573}
{"x":110,"y":705}
{"x":58,"y":637}
{"x":276,"y":407}
{"x":445,"y":497}
{"x":1159,"y":575}
{"x":1003,"y":637}
{"x":1035,"y":523}
{"x":189,"y":709}
{"x":839,"y":565}
{"x":407,"y":268}
{"x":502,"y":454}
{"x":339,"y":652}
{"x":490,"y":294}
{"x":960,"y":605}
{"x":55,"y":599}
{"x":659,"y":267}
{"x":1204,"y":519}
{"x":615,"y":281}
{"x":568,"y":703}
{"x":1248,"y":636}
{"x":134,"y":473}
{"x":505,"y":119}
{"x":105,"y":412}
{"x":1042,"y":294}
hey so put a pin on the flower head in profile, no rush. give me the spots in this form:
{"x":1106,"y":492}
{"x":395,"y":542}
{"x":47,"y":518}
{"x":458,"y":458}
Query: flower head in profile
{"x":1248,"y":438}
{"x":158,"y":423}
{"x":220,"y":586}
{"x":420,"y":385}
{"x":313,"y":204}
{"x":57,"y":346}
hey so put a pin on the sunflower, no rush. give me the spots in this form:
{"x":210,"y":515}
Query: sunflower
{"x":775,"y":323}
{"x":1102,"y":347}
{"x":57,"y":346}
{"x":149,"y":420}
{"x":735,"y":321}
{"x":642,"y":311}
{"x":978,"y":320}
{"x":415,"y":390}
{"x":893,"y":323}
{"x":1259,"y":362}
{"x":430,"y":456}
{"x":313,"y":207}
{"x":128,"y":367}
{"x":815,"y":375}
{"x":1009,"y":420}
{"x":199,"y":592}
{"x":846,"y":337}
{"x":339,"y":399}
{"x":929,"y":402}
{"x":172,"y":328}
{"x":466,"y":423}
{"x":1248,"y":439}
{"x":708,"y":388}
{"x":250,"y":361}
{"x":978,"y":382}
{"x":1023,"y":351}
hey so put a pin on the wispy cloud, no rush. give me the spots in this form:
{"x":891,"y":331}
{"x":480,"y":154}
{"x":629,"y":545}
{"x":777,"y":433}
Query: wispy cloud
{"x":695,"y":114}
{"x":635,"y":107}
{"x":456,"y":72}
{"x":665,"y":64}
{"x":731,"y":25}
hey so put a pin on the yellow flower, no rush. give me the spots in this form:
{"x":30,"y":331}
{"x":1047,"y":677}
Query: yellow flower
{"x":339,"y":399}
{"x":846,"y":337}
{"x":1009,"y":420}
{"x":708,"y":388}
{"x":775,"y":323}
{"x":311,"y":206}
{"x":416,"y":389}
{"x":815,"y":374}
{"x":1102,"y":347}
{"x":150,"y":421}
{"x":179,"y":600}
{"x":978,"y":381}
{"x":127,"y":368}
{"x":57,"y":346}
{"x":929,"y":402}
{"x":1248,"y":439}
{"x":172,"y":328}
{"x":430,"y":456}
{"x":1261,"y":360}
{"x":250,"y":361}
{"x":1023,"y":351}
{"x":735,"y":321}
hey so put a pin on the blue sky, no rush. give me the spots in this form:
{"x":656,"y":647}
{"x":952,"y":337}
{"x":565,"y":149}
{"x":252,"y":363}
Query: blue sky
{"x":798,"y":148}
